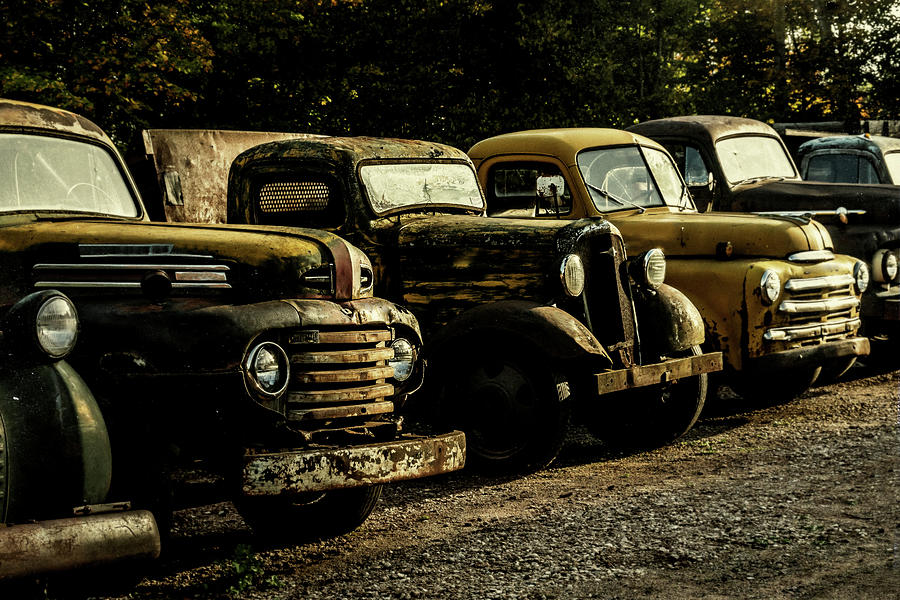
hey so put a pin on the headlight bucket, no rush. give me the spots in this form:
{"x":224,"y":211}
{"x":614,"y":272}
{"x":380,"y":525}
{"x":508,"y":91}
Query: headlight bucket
{"x":41,"y":325}
{"x":267,"y":370}
{"x":571,"y":275}
{"x":404,"y":361}
{"x":648,"y":268}
{"x":770,"y":286}
{"x":861,"y":276}
{"x":884,"y":266}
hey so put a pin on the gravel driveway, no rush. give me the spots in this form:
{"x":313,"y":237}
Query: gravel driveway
{"x":792,"y":501}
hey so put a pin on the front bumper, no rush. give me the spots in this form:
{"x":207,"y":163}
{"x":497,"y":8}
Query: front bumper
{"x":330,"y":468}
{"x":57,"y":545}
{"x":809,"y":355}
{"x":664,"y":372}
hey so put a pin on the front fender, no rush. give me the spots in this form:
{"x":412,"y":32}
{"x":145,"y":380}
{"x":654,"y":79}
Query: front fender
{"x":674,"y":322}
{"x":550,"y":330}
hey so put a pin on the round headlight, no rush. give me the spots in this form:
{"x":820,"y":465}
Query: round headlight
{"x":884,"y":266}
{"x":404,"y":359}
{"x":571,"y":273}
{"x":654,"y":268}
{"x":861,"y":274}
{"x":56,"y":325}
{"x":268,"y":368}
{"x":770,"y":285}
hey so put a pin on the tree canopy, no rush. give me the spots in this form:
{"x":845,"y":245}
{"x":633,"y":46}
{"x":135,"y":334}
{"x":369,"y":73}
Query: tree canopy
{"x":448,"y":70}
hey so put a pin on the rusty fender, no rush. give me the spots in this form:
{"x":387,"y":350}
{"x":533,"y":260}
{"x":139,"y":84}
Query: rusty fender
{"x":677,"y":324}
{"x":324,"y":469}
{"x":65,"y":544}
{"x":664,"y":372}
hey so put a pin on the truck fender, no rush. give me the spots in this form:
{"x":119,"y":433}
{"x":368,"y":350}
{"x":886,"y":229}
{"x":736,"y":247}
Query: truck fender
{"x":676,"y":324}
{"x":54,"y":447}
{"x":558,"y":334}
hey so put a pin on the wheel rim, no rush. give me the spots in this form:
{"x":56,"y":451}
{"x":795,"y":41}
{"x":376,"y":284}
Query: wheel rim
{"x":501,"y":408}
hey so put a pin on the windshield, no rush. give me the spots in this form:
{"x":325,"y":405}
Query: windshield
{"x":753,"y":156}
{"x":420,"y":185}
{"x":618,"y":178}
{"x":892,"y":161}
{"x":53,"y":174}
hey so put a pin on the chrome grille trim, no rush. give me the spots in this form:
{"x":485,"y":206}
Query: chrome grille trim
{"x":128,"y":285}
{"x":811,"y":256}
{"x":818,"y":306}
{"x":338,"y":412}
{"x":802,"y":332}
{"x":828,"y":282}
{"x":128,"y":267}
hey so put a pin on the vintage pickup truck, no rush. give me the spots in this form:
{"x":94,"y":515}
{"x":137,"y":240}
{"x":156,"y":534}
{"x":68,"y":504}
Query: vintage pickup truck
{"x":851,"y":159}
{"x":258,"y":354}
{"x":774,"y":298}
{"x":525,"y":321}
{"x":55,"y":457}
{"x":736,"y":164}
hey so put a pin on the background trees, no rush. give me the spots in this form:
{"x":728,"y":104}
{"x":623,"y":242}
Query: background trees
{"x":449,"y":70}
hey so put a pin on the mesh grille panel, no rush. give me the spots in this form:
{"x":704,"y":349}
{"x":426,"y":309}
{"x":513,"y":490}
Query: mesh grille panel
{"x":294,"y":196}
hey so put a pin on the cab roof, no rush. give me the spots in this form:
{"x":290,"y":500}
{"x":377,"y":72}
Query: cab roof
{"x":709,"y":127}
{"x":16,"y":115}
{"x":876,"y":144}
{"x":354,"y":150}
{"x":563,"y":143}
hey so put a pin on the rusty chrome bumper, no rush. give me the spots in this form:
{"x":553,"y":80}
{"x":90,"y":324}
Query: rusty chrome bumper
{"x":326,"y":468}
{"x":63,"y":544}
{"x":670,"y":370}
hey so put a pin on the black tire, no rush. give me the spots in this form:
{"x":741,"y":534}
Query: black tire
{"x":308,"y":517}
{"x":514,"y":410}
{"x":775,"y":387}
{"x":651,"y":416}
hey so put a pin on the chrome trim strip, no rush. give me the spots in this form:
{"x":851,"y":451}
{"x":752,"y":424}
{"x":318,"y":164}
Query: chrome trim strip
{"x":819,"y":283}
{"x":200,"y":276}
{"x":789,"y":334}
{"x":817,"y":306}
{"x":128,"y":267}
{"x":811,"y":256}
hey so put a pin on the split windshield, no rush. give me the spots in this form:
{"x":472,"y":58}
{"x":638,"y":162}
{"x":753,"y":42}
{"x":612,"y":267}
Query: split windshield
{"x":753,"y":157}
{"x":621,"y":178}
{"x":394,"y":186}
{"x":39,"y":173}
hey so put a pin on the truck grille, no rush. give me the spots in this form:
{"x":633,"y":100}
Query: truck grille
{"x":338,"y":374}
{"x":611,"y":305}
{"x":817,"y":309}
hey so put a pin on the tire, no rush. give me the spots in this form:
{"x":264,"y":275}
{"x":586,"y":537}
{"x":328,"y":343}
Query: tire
{"x":308,"y":517}
{"x":514,"y":410}
{"x":651,"y":416}
{"x":775,"y":387}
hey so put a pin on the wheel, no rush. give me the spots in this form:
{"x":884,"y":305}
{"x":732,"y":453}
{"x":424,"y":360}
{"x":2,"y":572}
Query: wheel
{"x":653,"y":415}
{"x":775,"y":387}
{"x":309,"y":516}
{"x":514,"y":410}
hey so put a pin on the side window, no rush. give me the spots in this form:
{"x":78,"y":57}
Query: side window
{"x":305,"y":202}
{"x":512,"y":191}
{"x":689,"y":162}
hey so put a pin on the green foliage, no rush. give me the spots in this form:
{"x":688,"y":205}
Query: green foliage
{"x":448,"y":70}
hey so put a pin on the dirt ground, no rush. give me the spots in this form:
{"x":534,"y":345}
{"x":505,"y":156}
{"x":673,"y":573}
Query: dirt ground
{"x":798,"y":500}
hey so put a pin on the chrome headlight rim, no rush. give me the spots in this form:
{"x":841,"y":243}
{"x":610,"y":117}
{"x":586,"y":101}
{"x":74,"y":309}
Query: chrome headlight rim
{"x":571,"y":275}
{"x":885,"y":266}
{"x":56,"y":307}
{"x":861,"y":277}
{"x":770,"y":286}
{"x":654,"y":268}
{"x":252,"y":373}
{"x":403,"y":363}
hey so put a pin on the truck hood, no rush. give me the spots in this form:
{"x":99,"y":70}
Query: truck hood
{"x":880,"y":201}
{"x":255,"y":262}
{"x":695,"y":234}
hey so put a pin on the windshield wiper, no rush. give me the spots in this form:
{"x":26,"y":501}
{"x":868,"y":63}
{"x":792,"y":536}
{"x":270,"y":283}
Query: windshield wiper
{"x":762,"y":178}
{"x":619,"y":201}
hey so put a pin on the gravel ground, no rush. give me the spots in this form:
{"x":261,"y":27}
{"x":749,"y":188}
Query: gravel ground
{"x":792,"y":501}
